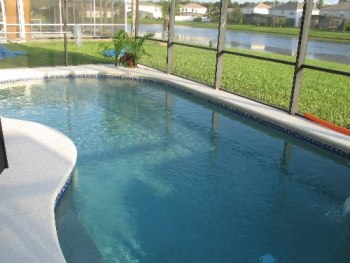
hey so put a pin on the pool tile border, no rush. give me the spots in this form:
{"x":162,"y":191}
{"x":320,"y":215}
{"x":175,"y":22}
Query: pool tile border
{"x":63,"y":189}
{"x":33,"y":149}
{"x":185,"y":90}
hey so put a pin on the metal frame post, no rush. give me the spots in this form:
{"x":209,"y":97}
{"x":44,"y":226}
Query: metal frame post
{"x":133,"y":17}
{"x":60,"y":12}
{"x":21,"y":20}
{"x":112,"y":17}
{"x":4,"y":19}
{"x":137,"y":19}
{"x":74,"y":12}
{"x":301,"y":54}
{"x":82,"y":12}
{"x":170,"y":44}
{"x":94,"y":18}
{"x":221,"y":44}
{"x":3,"y":156}
{"x":101,"y":22}
{"x":65,"y":43}
{"x":126,"y":15}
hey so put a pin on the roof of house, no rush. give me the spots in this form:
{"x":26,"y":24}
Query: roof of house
{"x":289,"y":6}
{"x":345,"y":6}
{"x":193,"y":5}
{"x":258,"y":5}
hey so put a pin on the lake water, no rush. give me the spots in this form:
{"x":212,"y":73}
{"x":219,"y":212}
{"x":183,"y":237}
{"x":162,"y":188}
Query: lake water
{"x":278,"y":44}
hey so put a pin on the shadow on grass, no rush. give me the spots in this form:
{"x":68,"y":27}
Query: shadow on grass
{"x":52,"y":55}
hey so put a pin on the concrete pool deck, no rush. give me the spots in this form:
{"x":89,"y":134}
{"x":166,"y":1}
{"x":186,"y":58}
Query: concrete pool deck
{"x":28,"y":189}
{"x":41,"y":160}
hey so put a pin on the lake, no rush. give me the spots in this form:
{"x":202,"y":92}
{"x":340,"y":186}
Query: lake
{"x":270,"y":43}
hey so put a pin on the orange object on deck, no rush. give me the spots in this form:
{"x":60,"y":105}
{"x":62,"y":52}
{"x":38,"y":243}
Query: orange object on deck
{"x":327,"y":124}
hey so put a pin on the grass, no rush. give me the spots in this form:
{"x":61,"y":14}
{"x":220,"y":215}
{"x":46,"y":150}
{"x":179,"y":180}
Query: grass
{"x":324,"y":95}
{"x":293,"y":31}
{"x":52,"y":54}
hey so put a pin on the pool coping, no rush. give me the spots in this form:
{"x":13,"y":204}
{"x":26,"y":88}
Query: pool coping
{"x":41,"y":162}
{"x":277,"y":119}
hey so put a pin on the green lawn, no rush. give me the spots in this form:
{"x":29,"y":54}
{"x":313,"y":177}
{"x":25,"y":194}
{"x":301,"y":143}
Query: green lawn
{"x":51,"y":54}
{"x":324,"y":95}
{"x":292,"y":31}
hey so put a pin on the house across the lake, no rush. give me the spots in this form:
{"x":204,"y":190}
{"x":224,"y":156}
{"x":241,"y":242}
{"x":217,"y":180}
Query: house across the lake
{"x":147,"y":10}
{"x":258,"y":8}
{"x":332,"y":17}
{"x":341,"y":10}
{"x":292,"y":11}
{"x":191,"y":11}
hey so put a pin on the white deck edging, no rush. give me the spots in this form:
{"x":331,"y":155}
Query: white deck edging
{"x":41,"y":160}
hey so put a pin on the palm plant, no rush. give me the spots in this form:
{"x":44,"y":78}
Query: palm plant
{"x":127,"y":50}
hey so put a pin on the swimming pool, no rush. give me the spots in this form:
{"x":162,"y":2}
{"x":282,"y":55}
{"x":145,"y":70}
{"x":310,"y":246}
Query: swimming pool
{"x":163,"y":177}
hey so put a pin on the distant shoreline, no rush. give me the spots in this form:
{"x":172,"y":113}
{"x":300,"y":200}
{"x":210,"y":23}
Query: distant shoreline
{"x":343,"y":37}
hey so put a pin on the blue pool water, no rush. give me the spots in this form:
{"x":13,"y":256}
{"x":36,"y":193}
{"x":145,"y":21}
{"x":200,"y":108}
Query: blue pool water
{"x":162,"y":177}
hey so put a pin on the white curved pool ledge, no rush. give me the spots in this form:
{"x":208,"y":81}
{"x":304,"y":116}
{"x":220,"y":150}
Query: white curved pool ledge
{"x":41,"y":160}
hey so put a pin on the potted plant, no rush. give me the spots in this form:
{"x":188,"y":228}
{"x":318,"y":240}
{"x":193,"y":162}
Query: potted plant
{"x":127,"y":50}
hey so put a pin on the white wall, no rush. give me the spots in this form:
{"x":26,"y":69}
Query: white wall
{"x":255,"y":10}
{"x":315,"y":12}
{"x":293,"y":14}
{"x":247,"y":10}
{"x":193,"y":10}
{"x":153,"y":9}
{"x":261,"y":11}
{"x":184,"y":18}
{"x":337,"y":13}
{"x":298,"y":17}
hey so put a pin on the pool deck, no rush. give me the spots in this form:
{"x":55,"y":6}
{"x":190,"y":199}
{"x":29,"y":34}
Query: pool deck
{"x":41,"y":159}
